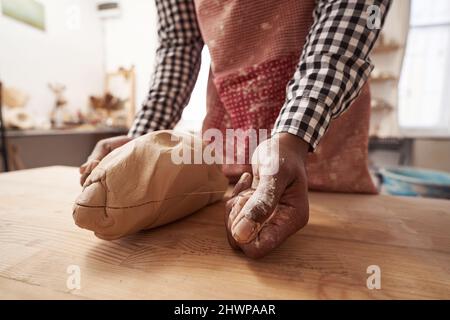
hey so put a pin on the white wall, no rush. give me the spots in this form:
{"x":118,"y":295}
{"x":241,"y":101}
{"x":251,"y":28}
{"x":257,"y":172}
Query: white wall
{"x":78,"y":54}
{"x":67,"y":52}
{"x":131,"y":39}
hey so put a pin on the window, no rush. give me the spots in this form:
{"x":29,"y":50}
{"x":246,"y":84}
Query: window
{"x":424,"y":91}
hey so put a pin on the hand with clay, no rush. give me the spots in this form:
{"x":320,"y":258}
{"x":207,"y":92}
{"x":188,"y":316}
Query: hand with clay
{"x":101,"y":149}
{"x":267,"y":207}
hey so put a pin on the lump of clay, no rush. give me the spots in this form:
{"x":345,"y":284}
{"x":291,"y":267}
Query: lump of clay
{"x":138,"y":186}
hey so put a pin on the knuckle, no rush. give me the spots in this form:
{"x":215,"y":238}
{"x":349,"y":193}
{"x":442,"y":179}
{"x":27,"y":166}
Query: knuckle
{"x":258,"y":213}
{"x":261,"y":205}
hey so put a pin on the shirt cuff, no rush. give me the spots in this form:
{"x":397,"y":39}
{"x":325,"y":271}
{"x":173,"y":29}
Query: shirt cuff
{"x":306,"y":118}
{"x":143,"y":126}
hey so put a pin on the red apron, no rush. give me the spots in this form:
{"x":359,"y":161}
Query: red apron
{"x":255,"y":47}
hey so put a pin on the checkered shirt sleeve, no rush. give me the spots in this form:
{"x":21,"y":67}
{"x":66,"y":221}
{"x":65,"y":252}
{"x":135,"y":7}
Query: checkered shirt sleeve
{"x":333,"y":67}
{"x":178,"y":59}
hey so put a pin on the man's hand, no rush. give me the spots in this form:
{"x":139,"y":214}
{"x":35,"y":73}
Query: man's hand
{"x":266,"y":208}
{"x":101,"y":149}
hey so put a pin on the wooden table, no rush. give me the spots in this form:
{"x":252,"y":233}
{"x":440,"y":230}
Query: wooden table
{"x":408,"y":238}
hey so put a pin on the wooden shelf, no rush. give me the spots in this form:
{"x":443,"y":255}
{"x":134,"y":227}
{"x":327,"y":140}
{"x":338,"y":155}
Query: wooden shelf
{"x":386,"y":48}
{"x":383,"y":78}
{"x":380,"y":105}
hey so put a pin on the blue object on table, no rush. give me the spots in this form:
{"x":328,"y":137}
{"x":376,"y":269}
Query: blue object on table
{"x":408,"y":181}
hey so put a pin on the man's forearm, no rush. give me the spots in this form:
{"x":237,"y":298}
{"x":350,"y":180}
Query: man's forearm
{"x":178,"y":61}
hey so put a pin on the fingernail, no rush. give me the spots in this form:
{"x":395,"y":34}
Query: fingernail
{"x":244,"y":230}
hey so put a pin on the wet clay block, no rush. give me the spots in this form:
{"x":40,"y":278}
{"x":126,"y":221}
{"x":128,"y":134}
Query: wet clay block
{"x":138,"y":186}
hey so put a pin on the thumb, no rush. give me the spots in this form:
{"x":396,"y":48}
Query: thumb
{"x":257,"y":209}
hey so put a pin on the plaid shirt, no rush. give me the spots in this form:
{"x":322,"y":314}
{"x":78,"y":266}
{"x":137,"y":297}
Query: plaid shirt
{"x":333,"y":67}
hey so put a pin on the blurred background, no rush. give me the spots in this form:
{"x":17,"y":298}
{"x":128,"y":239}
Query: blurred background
{"x":76,"y":71}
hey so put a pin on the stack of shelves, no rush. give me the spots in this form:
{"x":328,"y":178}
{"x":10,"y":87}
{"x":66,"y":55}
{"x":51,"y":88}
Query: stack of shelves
{"x":387,"y":56}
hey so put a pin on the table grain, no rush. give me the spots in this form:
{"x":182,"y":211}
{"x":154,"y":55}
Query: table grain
{"x":408,"y":238}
